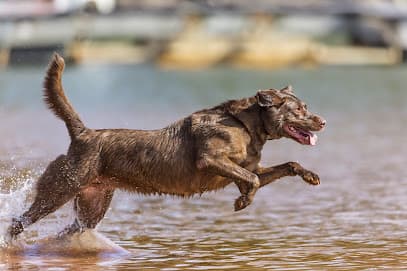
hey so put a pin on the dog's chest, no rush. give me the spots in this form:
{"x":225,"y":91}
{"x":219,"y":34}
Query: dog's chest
{"x":252,"y":156}
{"x":252,"y":159}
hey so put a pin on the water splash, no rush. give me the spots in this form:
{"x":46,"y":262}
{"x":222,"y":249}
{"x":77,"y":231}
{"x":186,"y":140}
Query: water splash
{"x":13,"y":203}
{"x":17,"y":190}
{"x":16,"y":199}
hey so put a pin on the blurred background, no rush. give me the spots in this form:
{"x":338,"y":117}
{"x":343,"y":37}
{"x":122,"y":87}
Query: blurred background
{"x":143,"y":64}
{"x":204,"y":33}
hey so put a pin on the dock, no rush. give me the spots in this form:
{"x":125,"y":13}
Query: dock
{"x":192,"y":34}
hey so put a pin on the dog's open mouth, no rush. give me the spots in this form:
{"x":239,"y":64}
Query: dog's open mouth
{"x":300,"y":135}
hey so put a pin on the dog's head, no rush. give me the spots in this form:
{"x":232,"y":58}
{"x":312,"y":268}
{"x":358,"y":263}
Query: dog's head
{"x":284,"y":115}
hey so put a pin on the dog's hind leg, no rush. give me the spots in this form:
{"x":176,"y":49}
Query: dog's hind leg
{"x":58,"y":184}
{"x":90,"y":206}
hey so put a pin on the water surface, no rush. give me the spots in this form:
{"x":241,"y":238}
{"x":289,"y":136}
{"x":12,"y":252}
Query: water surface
{"x":356,"y":219}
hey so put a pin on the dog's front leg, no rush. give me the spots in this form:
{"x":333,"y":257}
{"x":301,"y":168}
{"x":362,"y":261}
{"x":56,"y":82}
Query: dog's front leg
{"x":223,"y":166}
{"x":270,"y":174}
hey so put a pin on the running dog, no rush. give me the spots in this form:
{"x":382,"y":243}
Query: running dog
{"x":205,"y":151}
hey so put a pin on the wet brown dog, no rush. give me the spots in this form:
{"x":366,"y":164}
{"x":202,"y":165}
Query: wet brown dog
{"x":203,"y":152}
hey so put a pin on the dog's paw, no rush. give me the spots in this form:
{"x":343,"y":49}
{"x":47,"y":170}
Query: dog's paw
{"x":241,"y":203}
{"x":15,"y":228}
{"x":310,"y":177}
{"x":11,"y":234}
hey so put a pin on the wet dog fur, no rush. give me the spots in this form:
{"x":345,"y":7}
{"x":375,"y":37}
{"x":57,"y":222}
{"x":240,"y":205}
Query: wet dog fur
{"x":205,"y":151}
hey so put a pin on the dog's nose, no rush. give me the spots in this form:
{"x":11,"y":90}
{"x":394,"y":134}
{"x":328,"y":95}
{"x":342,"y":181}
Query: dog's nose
{"x":320,"y":121}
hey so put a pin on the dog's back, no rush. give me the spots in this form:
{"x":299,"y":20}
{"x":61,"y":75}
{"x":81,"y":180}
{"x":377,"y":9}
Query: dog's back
{"x":149,"y":161}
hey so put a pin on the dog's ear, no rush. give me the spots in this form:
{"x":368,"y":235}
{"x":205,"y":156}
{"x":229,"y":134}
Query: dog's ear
{"x":268,"y":98}
{"x":288,"y":89}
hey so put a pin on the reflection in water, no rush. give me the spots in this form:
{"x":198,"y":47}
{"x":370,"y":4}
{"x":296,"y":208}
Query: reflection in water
{"x":356,"y":219}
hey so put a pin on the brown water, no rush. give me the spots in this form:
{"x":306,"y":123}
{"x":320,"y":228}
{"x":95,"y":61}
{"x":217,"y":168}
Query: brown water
{"x":355,"y":220}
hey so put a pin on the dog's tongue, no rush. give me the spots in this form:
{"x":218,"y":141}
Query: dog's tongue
{"x":312,"y":139}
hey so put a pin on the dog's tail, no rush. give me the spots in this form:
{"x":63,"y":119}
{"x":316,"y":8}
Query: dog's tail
{"x":56,"y":100}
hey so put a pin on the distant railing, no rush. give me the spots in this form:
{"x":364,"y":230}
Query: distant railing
{"x":193,"y":34}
